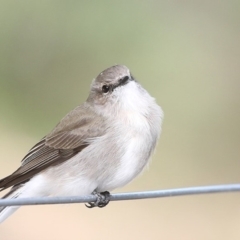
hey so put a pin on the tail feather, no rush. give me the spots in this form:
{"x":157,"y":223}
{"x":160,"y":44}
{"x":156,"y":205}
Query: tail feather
{"x":5,"y":211}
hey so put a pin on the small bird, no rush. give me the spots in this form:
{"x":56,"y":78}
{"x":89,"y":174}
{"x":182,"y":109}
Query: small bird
{"x":99,"y":146}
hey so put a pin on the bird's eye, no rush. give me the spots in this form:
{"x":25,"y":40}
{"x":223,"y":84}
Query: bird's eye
{"x":105,"y":88}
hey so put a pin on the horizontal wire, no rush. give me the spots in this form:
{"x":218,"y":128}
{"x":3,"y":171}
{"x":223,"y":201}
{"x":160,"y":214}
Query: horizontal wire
{"x":122,"y":196}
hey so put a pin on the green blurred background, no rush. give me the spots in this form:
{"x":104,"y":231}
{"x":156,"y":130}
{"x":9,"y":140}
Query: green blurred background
{"x":185,"y":53}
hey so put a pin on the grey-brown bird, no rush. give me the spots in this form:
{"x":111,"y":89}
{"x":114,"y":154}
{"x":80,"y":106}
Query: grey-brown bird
{"x":99,"y":146}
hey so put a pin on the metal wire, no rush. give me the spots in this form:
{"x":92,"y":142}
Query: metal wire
{"x":122,"y":196}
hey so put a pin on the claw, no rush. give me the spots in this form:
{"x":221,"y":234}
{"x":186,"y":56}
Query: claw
{"x":90,"y":205}
{"x":102,"y":200}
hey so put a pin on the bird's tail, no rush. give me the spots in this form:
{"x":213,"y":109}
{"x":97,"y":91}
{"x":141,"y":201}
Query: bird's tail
{"x":5,"y":212}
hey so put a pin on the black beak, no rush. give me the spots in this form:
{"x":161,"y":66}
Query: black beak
{"x":124,"y":80}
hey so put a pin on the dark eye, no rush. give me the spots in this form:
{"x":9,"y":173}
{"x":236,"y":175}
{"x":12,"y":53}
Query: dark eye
{"x":105,"y":88}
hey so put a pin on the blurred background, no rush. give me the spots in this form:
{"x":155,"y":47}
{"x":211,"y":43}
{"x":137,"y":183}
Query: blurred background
{"x":185,"y":53}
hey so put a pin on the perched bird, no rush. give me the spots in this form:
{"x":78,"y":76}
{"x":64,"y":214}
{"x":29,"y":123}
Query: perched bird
{"x":99,"y":146}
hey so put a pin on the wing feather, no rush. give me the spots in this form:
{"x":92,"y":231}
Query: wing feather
{"x":68,"y":138}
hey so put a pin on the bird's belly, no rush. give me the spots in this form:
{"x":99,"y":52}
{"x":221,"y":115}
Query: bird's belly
{"x":135,"y":156}
{"x":108,"y":162}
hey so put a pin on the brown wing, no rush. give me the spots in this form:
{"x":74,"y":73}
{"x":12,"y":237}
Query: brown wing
{"x":68,"y":138}
{"x":76,"y":128}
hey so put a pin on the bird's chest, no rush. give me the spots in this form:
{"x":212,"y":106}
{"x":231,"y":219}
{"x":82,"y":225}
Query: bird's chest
{"x":134,"y":144}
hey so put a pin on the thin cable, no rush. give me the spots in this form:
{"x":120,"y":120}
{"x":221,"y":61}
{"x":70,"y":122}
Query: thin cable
{"x":122,"y":196}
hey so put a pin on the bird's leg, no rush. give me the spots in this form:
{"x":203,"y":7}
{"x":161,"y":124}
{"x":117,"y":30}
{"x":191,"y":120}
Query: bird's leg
{"x":103,"y":199}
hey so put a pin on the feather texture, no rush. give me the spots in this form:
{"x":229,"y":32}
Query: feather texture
{"x":69,"y":137}
{"x":101,"y":145}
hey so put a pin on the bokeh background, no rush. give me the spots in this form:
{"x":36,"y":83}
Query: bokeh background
{"x":185,"y":53}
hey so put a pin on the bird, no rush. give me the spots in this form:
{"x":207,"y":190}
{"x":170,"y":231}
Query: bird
{"x":99,"y":146}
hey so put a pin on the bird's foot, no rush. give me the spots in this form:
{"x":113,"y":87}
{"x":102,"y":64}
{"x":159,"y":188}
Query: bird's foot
{"x":103,"y":199}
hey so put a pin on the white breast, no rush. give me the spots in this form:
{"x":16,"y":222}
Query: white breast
{"x":138,"y":127}
{"x":134,"y":159}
